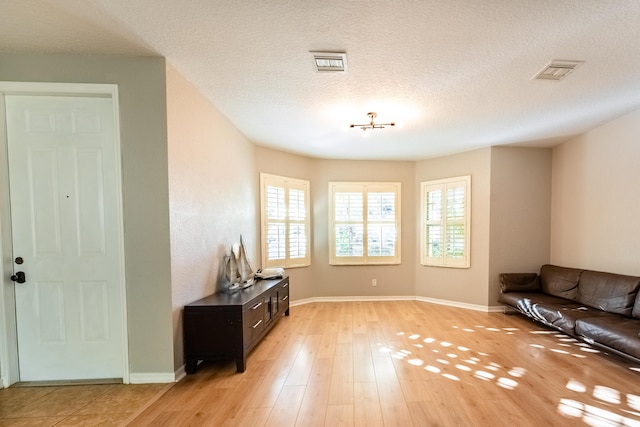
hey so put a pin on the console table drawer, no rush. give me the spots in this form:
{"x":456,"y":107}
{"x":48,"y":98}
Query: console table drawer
{"x":284,"y":297}
{"x":253,"y":321}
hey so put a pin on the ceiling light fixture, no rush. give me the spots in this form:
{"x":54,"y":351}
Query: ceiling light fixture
{"x":371,"y":124}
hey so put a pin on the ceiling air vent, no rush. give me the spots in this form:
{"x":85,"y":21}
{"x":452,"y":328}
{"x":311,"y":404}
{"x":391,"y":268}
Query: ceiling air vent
{"x":330,"y":61}
{"x":557,"y":70}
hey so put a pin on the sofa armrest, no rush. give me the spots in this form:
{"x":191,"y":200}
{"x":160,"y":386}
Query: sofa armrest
{"x":519,"y":282}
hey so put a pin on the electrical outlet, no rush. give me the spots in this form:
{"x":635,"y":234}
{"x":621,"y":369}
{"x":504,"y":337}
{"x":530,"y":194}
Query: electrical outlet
{"x":374,"y":282}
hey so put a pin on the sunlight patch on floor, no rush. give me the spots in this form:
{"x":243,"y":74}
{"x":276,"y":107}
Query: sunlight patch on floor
{"x":576,"y":386}
{"x":517,"y":372}
{"x":507,"y":383}
{"x":507,"y":378}
{"x":593,"y":416}
{"x":607,"y":394}
{"x":483,"y":375}
{"x":633,"y":401}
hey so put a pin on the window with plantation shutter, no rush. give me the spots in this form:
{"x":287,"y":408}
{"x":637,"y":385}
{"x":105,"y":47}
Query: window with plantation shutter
{"x":285,"y":221}
{"x":445,"y":234}
{"x":364,"y":223}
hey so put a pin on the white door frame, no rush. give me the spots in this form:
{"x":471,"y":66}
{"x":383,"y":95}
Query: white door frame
{"x":9,"y":372}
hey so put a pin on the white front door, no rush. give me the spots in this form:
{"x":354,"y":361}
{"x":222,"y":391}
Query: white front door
{"x":66,"y":236}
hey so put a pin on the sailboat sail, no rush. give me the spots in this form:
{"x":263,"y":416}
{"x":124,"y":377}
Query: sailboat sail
{"x":231,"y":271}
{"x":246,"y":273}
{"x":237,"y":269}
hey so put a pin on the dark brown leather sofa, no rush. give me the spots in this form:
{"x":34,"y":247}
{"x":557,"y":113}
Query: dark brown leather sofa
{"x":603,"y":309}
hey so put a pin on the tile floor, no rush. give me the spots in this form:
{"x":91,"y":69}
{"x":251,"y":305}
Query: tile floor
{"x":77,"y":405}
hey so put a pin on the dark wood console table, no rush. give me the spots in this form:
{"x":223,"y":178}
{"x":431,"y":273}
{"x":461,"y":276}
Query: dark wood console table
{"x":228,"y":325}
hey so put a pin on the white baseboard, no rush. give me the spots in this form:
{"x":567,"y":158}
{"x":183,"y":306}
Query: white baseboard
{"x":476,"y":307}
{"x":458,"y":304}
{"x":302,"y":301}
{"x":152,"y":378}
{"x":180,"y":373}
{"x":352,"y":299}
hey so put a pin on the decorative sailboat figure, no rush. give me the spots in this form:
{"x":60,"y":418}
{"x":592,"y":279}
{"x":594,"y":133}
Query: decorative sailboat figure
{"x":231,"y":271}
{"x":237,"y":268}
{"x":246,"y":273}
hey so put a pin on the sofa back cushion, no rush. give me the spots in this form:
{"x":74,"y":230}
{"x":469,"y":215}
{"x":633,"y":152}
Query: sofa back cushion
{"x":519,"y":282}
{"x":636,"y":308}
{"x":560,"y":281}
{"x":614,"y":293}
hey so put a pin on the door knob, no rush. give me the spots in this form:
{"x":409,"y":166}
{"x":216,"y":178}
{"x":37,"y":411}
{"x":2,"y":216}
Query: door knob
{"x":19,"y":277}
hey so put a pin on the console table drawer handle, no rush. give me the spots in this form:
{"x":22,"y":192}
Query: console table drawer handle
{"x":256,"y":306}
{"x":285,"y":298}
{"x":257,"y":324}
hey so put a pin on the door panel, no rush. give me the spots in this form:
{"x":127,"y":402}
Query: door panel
{"x":65,"y":222}
{"x":44,"y":203}
{"x":50,"y":300}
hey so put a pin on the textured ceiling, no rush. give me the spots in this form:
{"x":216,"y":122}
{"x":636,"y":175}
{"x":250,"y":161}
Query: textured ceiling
{"x":455,"y":74}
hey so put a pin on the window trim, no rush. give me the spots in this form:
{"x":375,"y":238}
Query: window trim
{"x":365,"y":188}
{"x":444,"y":260}
{"x":288,"y":184}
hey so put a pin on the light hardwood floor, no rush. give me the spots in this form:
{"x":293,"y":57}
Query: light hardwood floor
{"x":398,"y":363}
{"x":406,"y":363}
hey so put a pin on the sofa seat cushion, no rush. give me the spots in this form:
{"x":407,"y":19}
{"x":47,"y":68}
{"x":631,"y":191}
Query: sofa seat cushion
{"x":560,"y":281}
{"x":564,"y":315}
{"x":524,"y":301}
{"x":614,"y":293}
{"x":619,"y":333}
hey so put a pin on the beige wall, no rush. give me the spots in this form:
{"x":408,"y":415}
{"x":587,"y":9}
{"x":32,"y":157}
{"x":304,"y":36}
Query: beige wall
{"x":212,"y":194}
{"x":322,"y":279}
{"x":141,"y":87}
{"x":469,"y":286}
{"x":520,"y":212}
{"x":343,"y":281}
{"x":595,"y":207}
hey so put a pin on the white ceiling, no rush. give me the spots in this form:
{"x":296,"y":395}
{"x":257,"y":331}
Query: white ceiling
{"x":455,"y":74}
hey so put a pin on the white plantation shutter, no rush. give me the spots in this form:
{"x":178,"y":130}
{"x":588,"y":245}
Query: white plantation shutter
{"x":433,"y":223}
{"x":276,"y":226}
{"x":364,"y":223}
{"x":456,"y":220}
{"x":297,"y":223}
{"x":381,"y":227}
{"x":445,"y":236}
{"x":285,"y":221}
{"x":349,"y":230}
